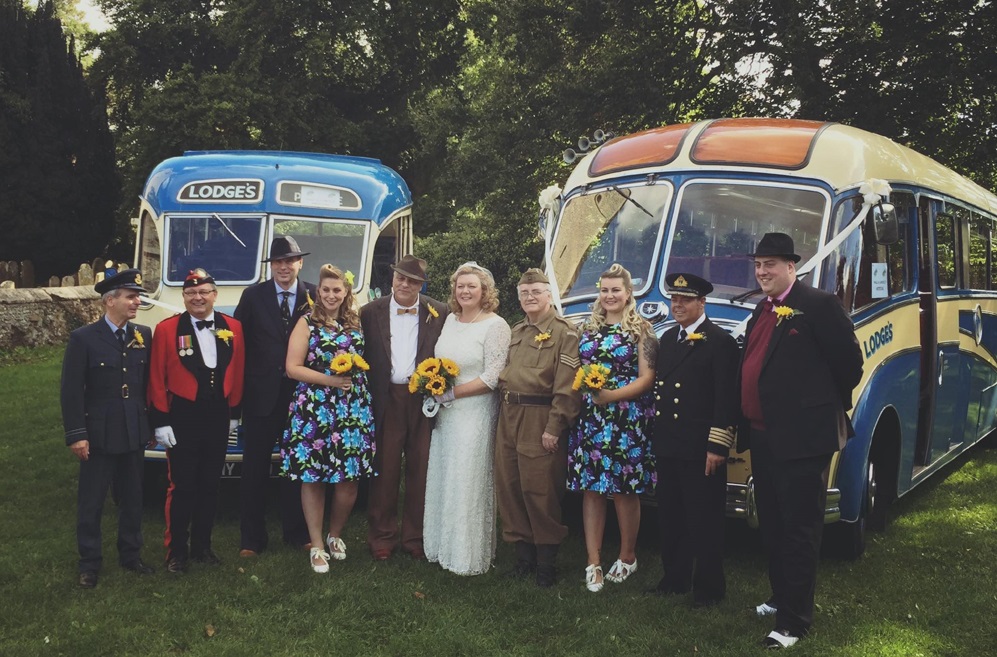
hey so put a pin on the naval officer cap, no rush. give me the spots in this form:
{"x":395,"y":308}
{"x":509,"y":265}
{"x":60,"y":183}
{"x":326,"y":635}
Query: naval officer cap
{"x":688,"y":285}
{"x":533,"y":275}
{"x":126,"y":279}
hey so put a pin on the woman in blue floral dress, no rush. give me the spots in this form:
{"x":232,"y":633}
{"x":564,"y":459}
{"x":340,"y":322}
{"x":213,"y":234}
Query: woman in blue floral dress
{"x":329,"y":437}
{"x":609,"y":448}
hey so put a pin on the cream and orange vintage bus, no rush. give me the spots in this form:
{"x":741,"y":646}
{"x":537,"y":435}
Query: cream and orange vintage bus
{"x":904,"y":242}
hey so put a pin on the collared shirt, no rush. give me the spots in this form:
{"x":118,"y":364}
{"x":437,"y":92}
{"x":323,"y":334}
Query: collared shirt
{"x":115,"y":327}
{"x":292,"y":294}
{"x":692,"y":327}
{"x":206,"y":341}
{"x":404,"y":341}
{"x":782,"y":297}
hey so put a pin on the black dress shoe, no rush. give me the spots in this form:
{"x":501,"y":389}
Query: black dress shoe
{"x":206,"y":557}
{"x":546,"y":575}
{"x":139,"y":566}
{"x":522,"y":569}
{"x":88,"y":579}
{"x":176,"y":566}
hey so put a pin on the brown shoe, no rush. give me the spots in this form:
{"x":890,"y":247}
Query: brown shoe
{"x":247,"y":554}
{"x":88,"y":579}
{"x":382,"y":554}
{"x":418,"y":554}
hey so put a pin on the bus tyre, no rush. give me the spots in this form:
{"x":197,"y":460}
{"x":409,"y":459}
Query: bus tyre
{"x":847,"y":540}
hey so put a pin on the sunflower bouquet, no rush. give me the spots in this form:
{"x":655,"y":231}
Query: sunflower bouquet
{"x":433,"y":377}
{"x":591,"y":378}
{"x":348,"y":364}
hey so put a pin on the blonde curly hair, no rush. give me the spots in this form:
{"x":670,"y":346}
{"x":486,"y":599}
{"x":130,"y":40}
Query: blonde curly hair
{"x":489,"y":295}
{"x":632,"y":323}
{"x":348,"y":316}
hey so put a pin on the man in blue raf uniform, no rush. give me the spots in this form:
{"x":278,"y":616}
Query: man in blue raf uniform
{"x":801,"y":362}
{"x":103,"y":392}
{"x":695,"y":414}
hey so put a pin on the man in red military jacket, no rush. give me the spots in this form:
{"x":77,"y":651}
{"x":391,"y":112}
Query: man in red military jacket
{"x":195,"y":391}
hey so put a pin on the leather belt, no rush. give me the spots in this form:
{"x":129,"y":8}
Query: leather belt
{"x":510,"y":397}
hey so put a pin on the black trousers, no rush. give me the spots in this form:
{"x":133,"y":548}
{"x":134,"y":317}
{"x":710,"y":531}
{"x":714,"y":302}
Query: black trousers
{"x":691,"y":517}
{"x":96,"y":475}
{"x":259,"y":435}
{"x":790,"y":497}
{"x":195,"y":469}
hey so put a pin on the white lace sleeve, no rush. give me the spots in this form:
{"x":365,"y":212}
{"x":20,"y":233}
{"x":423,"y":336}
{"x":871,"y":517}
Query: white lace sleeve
{"x":496,"y":351}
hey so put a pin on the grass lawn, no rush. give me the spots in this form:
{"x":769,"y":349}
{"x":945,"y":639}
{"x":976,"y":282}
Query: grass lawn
{"x":925,"y":587}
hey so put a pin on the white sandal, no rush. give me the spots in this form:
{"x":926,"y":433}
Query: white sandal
{"x":337,"y":549}
{"x":621,"y":570}
{"x":319,"y":553}
{"x":590,"y":581}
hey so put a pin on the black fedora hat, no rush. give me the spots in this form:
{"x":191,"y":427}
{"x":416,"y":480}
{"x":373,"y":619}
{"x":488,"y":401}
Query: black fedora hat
{"x":411,"y":267}
{"x":284,"y":247}
{"x":776,"y":244}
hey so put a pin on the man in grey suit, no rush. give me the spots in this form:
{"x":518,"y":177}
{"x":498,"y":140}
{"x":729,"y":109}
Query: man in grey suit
{"x":268,"y":311}
{"x":400,"y":331}
{"x":104,"y":376}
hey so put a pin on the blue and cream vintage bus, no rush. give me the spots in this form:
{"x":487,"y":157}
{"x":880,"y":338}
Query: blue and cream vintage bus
{"x":904,"y":242}
{"x":220,"y":209}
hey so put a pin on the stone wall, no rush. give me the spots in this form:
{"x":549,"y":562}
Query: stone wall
{"x":33,"y":317}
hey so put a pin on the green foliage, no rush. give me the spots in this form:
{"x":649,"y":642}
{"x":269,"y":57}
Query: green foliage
{"x":57,"y":170}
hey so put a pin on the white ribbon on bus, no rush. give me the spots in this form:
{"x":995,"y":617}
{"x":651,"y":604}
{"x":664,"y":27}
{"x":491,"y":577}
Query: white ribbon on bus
{"x":168,"y":306}
{"x":872,"y":191}
{"x":549,"y":200}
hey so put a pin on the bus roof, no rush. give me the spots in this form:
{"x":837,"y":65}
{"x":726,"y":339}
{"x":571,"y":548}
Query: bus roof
{"x":840,"y":156}
{"x":381,"y":191}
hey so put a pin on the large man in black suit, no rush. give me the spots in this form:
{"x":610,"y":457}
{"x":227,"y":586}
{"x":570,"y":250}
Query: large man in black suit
{"x":801,"y":362}
{"x":104,"y":376}
{"x":268,"y":311}
{"x":695,"y":414}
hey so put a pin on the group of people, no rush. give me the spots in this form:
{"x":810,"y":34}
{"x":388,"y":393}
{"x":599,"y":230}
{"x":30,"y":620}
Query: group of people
{"x":303,"y":368}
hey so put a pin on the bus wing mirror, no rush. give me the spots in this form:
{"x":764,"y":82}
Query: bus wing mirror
{"x":884,"y":220}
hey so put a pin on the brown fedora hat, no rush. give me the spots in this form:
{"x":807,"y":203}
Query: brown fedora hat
{"x":411,"y":267}
{"x":776,"y":244}
{"x":284,"y":247}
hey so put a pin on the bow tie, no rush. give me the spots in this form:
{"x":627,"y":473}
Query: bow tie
{"x":408,"y":311}
{"x":204,"y":323}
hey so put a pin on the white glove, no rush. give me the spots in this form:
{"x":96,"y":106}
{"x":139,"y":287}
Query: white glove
{"x":446,"y":398}
{"x":165,"y":437}
{"x":233,"y":427}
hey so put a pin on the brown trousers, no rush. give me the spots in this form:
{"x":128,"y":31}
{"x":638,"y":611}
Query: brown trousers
{"x":405,"y":430}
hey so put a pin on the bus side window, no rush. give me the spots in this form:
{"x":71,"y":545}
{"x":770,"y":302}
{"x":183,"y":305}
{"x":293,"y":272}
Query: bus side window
{"x":980,"y":264}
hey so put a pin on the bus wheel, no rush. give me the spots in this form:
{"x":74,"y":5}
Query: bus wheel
{"x":847,"y":540}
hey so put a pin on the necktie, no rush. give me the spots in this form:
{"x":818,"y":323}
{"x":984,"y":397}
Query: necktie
{"x":285,"y":309}
{"x":201,"y":323}
{"x":121,"y":336}
{"x":408,"y":311}
{"x":683,"y":335}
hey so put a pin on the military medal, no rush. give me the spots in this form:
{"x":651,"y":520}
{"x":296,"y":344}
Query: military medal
{"x":185,"y":345}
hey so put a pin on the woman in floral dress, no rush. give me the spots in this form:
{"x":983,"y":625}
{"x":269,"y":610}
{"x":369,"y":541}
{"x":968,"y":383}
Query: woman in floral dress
{"x":609,"y":448}
{"x":329,"y":437}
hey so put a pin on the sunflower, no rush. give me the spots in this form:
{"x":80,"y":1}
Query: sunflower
{"x":579,"y":378}
{"x":429,"y":367}
{"x":450,"y":366}
{"x":361,"y":364}
{"x":413,"y":384}
{"x":342,"y":363}
{"x":595,"y":379}
{"x":436,"y":385}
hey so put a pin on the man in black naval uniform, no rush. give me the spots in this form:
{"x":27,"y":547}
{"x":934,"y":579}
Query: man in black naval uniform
{"x":104,"y":375}
{"x":696,"y":411}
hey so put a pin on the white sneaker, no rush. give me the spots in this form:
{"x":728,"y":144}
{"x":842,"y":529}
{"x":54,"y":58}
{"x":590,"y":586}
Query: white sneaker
{"x":322,"y":556}
{"x":776,"y":640}
{"x":765,"y":609}
{"x":337,"y":549}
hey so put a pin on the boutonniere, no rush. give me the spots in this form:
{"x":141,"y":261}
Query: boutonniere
{"x":307,"y":303}
{"x":785,"y":312}
{"x":138,"y":342}
{"x":224,"y":335}
{"x":695,"y":337}
{"x":433,"y":313}
{"x":541,"y":338}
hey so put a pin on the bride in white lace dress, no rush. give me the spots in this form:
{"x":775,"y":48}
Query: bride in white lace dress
{"x":459,"y":527}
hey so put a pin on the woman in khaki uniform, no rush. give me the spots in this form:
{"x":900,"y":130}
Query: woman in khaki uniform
{"x":537,"y":408}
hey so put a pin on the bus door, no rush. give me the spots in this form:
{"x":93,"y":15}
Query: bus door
{"x":941,"y":412}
